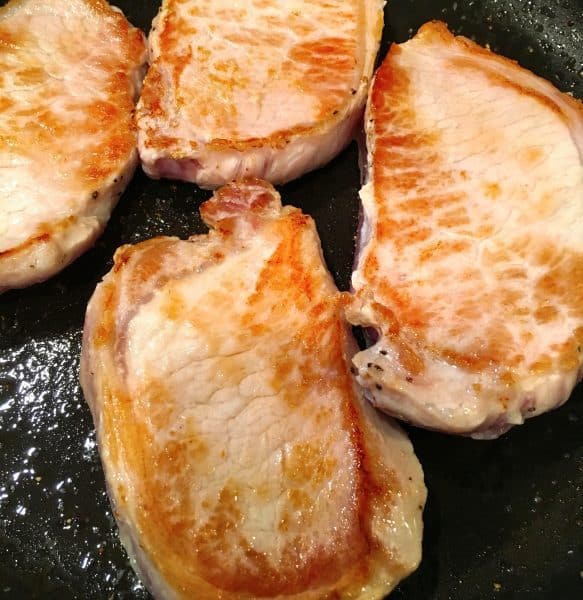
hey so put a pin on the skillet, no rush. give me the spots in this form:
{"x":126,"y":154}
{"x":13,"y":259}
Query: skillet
{"x":504,"y":518}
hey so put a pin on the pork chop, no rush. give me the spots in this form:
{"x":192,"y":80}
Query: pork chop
{"x":69,"y":76}
{"x":240,"y":458}
{"x":270,"y":88}
{"x":471,"y":259}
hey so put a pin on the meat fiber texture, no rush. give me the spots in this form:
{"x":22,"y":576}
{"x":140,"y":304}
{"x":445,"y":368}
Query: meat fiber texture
{"x":266,"y":88}
{"x":70,"y":73}
{"x":241,"y":459}
{"x":470,"y":265}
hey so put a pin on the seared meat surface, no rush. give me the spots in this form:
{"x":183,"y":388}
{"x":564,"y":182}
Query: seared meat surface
{"x":470,"y":264}
{"x":269,"y":88}
{"x":240,"y":458}
{"x":70,"y":73}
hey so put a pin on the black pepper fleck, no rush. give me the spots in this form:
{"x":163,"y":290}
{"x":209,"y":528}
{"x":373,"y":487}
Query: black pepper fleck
{"x":94,"y":195}
{"x":379,"y":386}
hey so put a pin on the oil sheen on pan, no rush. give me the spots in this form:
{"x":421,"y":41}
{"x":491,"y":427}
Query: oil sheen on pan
{"x":504,"y":519}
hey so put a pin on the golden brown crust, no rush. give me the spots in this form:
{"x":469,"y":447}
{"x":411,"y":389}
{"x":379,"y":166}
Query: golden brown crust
{"x":49,"y":129}
{"x":410,"y":167}
{"x":68,"y":137}
{"x":315,"y":66}
{"x":42,"y":236}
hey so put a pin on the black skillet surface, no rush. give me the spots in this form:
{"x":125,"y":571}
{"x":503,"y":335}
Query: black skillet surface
{"x":504,"y":518}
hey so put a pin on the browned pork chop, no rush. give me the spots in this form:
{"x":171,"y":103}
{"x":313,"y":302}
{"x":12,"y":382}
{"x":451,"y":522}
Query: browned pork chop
{"x":69,"y":76}
{"x":241,"y":460}
{"x":471,"y":266}
{"x":271,"y":88}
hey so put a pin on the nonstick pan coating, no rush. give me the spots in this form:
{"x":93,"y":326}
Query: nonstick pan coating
{"x":504,"y":518}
